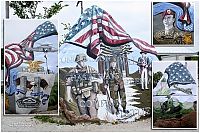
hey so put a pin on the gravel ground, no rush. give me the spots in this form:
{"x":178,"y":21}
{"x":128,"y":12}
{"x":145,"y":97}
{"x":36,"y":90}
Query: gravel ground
{"x":27,"y":123}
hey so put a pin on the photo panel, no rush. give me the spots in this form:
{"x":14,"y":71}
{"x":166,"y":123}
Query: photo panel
{"x":31,"y":67}
{"x":173,"y":23}
{"x":175,"y":112}
{"x":106,"y":74}
{"x":174,"y":94}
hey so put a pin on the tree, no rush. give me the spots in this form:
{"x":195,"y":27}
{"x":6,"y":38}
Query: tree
{"x":66,"y":27}
{"x":156,"y":77}
{"x":27,"y":9}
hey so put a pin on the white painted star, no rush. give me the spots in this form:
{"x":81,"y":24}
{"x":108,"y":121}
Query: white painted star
{"x":82,"y":23}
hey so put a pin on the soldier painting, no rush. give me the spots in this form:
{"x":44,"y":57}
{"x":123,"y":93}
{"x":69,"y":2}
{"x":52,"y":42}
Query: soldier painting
{"x":166,"y":30}
{"x":143,"y":63}
{"x":83,"y":81}
{"x":114,"y":80}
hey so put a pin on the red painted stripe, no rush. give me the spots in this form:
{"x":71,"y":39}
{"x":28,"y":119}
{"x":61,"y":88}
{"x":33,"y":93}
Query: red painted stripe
{"x":115,"y":42}
{"x":104,"y":18}
{"x":17,"y":63}
{"x":113,"y":32}
{"x":86,"y":35}
{"x":12,"y":57}
{"x":143,"y":42}
{"x":93,"y":47}
{"x":144,"y":49}
{"x":94,"y":43}
{"x":110,"y":17}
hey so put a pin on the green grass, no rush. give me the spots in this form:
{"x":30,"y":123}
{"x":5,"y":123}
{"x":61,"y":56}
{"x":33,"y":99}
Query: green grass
{"x":48,"y":119}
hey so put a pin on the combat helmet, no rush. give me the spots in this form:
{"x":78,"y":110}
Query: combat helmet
{"x":113,"y":59}
{"x":80,"y":57}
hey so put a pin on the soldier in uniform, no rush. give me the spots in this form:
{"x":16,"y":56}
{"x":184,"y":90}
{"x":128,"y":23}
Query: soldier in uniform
{"x":83,"y":80}
{"x":172,"y":105}
{"x":143,"y":63}
{"x":170,"y":35}
{"x":114,"y":79}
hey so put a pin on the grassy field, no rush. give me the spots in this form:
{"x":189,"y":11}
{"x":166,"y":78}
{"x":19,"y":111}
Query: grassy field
{"x":157,"y":114}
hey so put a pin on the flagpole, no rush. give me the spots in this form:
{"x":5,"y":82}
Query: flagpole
{"x":45,"y":56}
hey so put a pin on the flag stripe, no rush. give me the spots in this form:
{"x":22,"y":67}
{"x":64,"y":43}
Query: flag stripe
{"x":143,"y":47}
{"x":112,"y":20}
{"x":89,"y":33}
{"x":107,"y":21}
{"x":143,"y":42}
{"x":113,"y":32}
{"x":95,"y":24}
{"x":12,"y":59}
{"x":84,"y":31}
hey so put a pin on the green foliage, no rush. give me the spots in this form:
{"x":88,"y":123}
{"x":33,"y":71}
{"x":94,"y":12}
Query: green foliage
{"x":156,"y":77}
{"x":24,"y":9}
{"x":157,"y":113}
{"x":27,"y":9}
{"x":66,"y":27}
{"x":49,"y":119}
{"x":53,"y":10}
{"x":186,"y":111}
{"x":53,"y":99}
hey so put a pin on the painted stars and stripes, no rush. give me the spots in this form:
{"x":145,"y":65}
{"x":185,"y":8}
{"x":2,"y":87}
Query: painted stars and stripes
{"x":15,"y":53}
{"x":96,"y":27}
{"x":178,"y":74}
{"x":44,"y":30}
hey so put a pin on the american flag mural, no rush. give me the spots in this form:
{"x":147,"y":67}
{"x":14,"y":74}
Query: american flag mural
{"x":94,"y":27}
{"x":178,"y":74}
{"x":15,"y":53}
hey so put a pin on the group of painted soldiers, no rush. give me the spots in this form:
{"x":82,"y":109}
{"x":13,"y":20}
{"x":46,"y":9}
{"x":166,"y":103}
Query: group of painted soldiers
{"x":85,"y":81}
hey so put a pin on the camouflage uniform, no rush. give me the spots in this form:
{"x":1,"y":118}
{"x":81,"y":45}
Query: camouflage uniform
{"x":174,"y":38}
{"x":116,"y":85}
{"x":84,"y":91}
